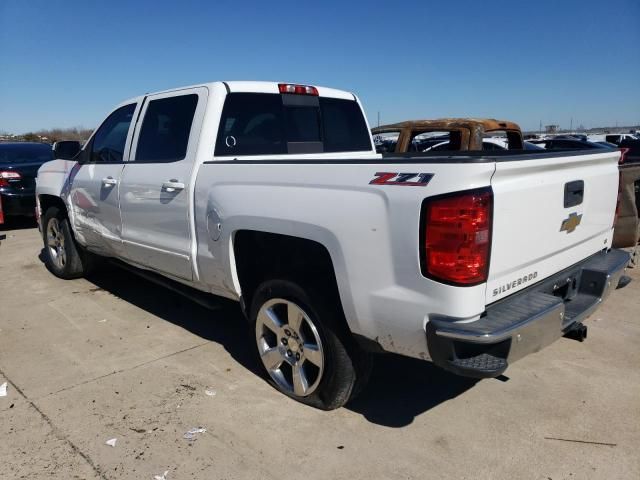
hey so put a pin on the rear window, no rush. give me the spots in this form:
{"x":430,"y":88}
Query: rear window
{"x":272,"y":124}
{"x":25,"y":153}
{"x":344,"y":127}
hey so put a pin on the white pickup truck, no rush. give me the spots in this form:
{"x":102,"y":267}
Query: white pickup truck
{"x":272,"y":195}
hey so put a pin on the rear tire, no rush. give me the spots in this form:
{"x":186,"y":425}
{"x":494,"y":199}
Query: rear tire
{"x":63,"y":257}
{"x":303,"y":345}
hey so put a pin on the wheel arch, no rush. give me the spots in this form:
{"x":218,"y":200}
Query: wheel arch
{"x":259,"y":256}
{"x":46,"y":201}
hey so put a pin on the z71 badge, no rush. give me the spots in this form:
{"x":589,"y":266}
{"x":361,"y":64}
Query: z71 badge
{"x":404,"y":179}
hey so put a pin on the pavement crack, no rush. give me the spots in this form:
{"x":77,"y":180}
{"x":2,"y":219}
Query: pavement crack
{"x":115,"y":372}
{"x":54,"y":430}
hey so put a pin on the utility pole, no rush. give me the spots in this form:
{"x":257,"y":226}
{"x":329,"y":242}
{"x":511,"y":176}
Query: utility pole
{"x":378,"y":117}
{"x":571,"y":126}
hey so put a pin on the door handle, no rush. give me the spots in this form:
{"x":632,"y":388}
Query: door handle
{"x":172,"y":185}
{"x":109,"y":181}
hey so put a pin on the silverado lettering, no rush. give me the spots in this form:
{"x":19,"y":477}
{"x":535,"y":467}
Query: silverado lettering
{"x":515,"y":283}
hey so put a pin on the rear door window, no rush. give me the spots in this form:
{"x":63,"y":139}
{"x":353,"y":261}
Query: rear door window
{"x":164,"y":135}
{"x":273,"y":124}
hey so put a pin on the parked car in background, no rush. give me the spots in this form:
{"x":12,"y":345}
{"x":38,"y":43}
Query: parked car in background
{"x":450,"y":134}
{"x":532,"y":146}
{"x":627,"y":228}
{"x":570,"y":136}
{"x":488,"y":144}
{"x":618,"y":138}
{"x":612,"y":137}
{"x":19,"y":164}
{"x":565,"y":144}
{"x":607,"y":144}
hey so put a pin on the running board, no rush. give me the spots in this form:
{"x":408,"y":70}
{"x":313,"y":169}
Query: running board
{"x":207,"y":300}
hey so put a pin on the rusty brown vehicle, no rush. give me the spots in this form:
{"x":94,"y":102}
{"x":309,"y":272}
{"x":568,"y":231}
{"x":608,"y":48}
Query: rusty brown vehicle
{"x":460,"y":133}
{"x":627,"y":230}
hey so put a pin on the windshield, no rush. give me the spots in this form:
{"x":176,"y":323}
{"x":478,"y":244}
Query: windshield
{"x":25,"y":153}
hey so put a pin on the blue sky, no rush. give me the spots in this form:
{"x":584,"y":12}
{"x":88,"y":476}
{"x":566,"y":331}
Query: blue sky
{"x":66,"y":63}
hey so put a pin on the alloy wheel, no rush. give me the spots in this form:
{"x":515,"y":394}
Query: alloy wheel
{"x":55,"y":243}
{"x":290,"y":347}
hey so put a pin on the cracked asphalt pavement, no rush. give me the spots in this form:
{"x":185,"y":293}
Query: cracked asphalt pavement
{"x":114,"y":356}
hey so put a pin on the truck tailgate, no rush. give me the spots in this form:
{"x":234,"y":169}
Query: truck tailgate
{"x":548,"y":215}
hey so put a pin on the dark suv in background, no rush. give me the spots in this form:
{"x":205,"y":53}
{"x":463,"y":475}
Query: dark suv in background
{"x":19,"y":164}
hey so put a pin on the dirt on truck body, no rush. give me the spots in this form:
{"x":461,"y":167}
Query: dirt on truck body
{"x":461,"y":133}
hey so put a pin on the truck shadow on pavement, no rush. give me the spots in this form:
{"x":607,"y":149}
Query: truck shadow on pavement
{"x":399,"y":390}
{"x":402,"y":388}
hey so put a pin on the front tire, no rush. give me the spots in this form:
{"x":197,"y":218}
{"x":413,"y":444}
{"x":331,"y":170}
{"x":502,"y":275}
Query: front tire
{"x":302,"y":346}
{"x":61,"y":254}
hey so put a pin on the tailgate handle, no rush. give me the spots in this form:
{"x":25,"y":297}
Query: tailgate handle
{"x":573,"y":193}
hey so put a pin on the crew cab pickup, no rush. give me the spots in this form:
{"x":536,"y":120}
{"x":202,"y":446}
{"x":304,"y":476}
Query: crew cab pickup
{"x":273,"y":195}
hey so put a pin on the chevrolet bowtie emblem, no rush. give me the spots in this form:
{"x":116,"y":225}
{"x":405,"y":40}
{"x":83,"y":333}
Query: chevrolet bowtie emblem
{"x":569,"y":224}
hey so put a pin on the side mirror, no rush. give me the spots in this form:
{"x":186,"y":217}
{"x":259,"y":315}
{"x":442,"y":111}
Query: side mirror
{"x":66,"y":149}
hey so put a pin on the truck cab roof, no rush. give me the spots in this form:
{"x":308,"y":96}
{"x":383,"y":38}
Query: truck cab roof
{"x":241,"y":86}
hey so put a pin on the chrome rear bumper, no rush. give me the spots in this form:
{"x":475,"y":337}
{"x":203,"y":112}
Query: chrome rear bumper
{"x":527,"y":321}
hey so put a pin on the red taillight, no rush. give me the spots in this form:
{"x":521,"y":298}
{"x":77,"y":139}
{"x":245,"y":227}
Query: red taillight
{"x":297,"y":89}
{"x":619,"y":200}
{"x":6,"y":176}
{"x":457,"y":237}
{"x":623,"y":155}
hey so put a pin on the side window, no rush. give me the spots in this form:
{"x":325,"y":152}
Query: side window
{"x":164,"y":135}
{"x":109,"y":140}
{"x":251,"y":124}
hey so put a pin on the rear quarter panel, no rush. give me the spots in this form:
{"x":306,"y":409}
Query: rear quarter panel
{"x":370,"y":231}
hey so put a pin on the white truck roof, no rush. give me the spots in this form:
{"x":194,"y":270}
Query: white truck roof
{"x":251,"y":87}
